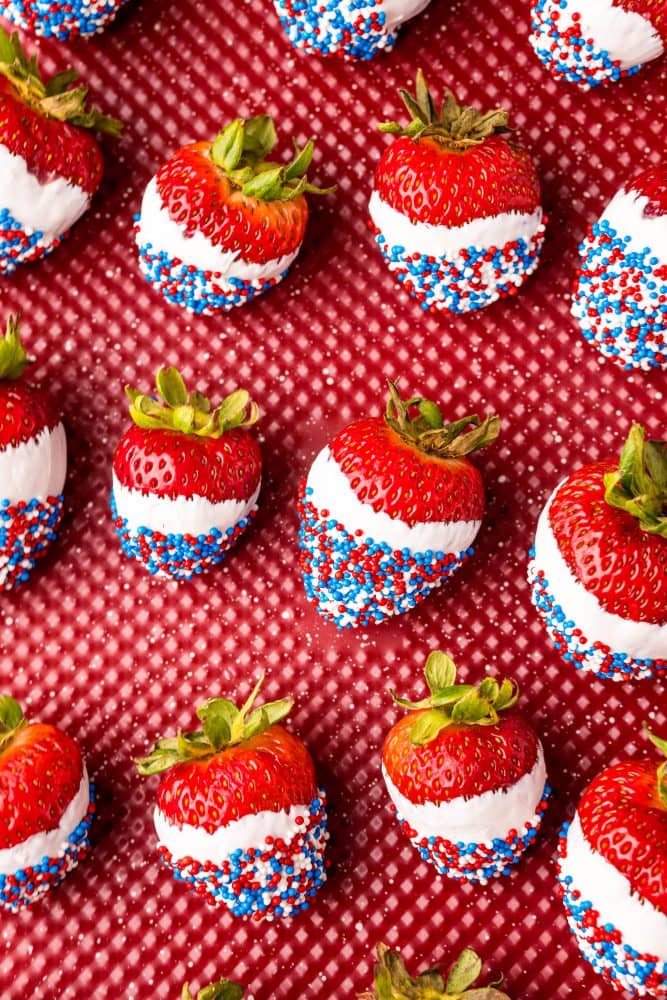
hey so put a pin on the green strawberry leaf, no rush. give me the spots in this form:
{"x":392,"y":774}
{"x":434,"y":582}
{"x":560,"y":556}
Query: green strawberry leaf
{"x":218,"y":716}
{"x":450,"y":695}
{"x":507,"y":696}
{"x":466,"y":970}
{"x":428,"y":726}
{"x":302,"y":160}
{"x":472,"y":707}
{"x":440,"y":671}
{"x":11,"y":715}
{"x":171,"y":387}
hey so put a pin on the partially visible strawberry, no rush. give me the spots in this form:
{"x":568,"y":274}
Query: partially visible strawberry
{"x":612,"y":870}
{"x":464,"y":750}
{"x":220,"y":222}
{"x":623,"y":815}
{"x":390,"y":508}
{"x":33,"y":465}
{"x":600,"y":569}
{"x":62,"y":19}
{"x":590,"y":44}
{"x":620,"y":292}
{"x":186,"y":478}
{"x":237,"y":793}
{"x":456,"y":204}
{"x":393,"y":982}
{"x":50,"y":162}
{"x":45,"y":806}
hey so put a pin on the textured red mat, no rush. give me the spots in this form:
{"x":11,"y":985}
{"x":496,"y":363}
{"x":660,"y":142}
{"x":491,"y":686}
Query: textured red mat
{"x":117,"y":658}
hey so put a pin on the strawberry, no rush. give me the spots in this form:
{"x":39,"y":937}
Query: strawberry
{"x":346,"y":28}
{"x":223,"y":990}
{"x":599,"y":566}
{"x":589,"y":43}
{"x":620,"y":295}
{"x":46,"y":807}
{"x":612,"y":870}
{"x":185,"y":479}
{"x":468,"y":783}
{"x":389,"y":509}
{"x":33,"y":465}
{"x":63,"y":19}
{"x":456,"y":205}
{"x":219,"y":223}
{"x":239,"y":817}
{"x":393,"y":982}
{"x":50,"y":163}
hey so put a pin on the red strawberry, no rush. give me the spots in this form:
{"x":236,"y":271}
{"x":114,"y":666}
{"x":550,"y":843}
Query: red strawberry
{"x":238,"y":794}
{"x":456,"y":205}
{"x":46,"y":807}
{"x":389,"y":509}
{"x":219,"y":222}
{"x":50,"y":163}
{"x":589,"y":44}
{"x":186,"y":479}
{"x":33,"y":465}
{"x":599,"y":574}
{"x":613,"y":874}
{"x":393,"y":982}
{"x":464,"y":777}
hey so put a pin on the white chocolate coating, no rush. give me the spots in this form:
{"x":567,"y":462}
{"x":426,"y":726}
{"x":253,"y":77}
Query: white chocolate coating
{"x":189,"y":841}
{"x":332,"y":492}
{"x":480,"y":819}
{"x":158,"y":228}
{"x":180,"y":515}
{"x":52,"y":842}
{"x":50,"y":208}
{"x":439,"y":241}
{"x":642,"y":925}
{"x":34,"y":469}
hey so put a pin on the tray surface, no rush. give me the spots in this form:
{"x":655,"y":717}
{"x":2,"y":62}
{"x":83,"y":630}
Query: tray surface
{"x":117,"y":658}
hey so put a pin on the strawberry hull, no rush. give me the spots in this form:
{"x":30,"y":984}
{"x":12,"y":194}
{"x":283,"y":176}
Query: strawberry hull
{"x":266,"y":865}
{"x":458,"y":268}
{"x":473,"y":839}
{"x":32,"y":476}
{"x":150,"y":529}
{"x":583,"y":632}
{"x":352,"y":29}
{"x":29,"y":870}
{"x":591,"y":41}
{"x":59,"y":19}
{"x":620,"y":297}
{"x":623,"y":936}
{"x":360,"y":566}
{"x":191,"y":271}
{"x":35,"y":216}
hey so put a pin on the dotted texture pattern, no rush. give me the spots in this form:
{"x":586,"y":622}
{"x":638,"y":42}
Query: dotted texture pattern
{"x":117,"y":658}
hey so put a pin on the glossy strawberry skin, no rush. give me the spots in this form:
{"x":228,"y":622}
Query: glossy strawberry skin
{"x":430,"y":184}
{"x":463,"y":760}
{"x":51,"y":149}
{"x":24,"y":413}
{"x":167,"y":463}
{"x":623,"y":820}
{"x":201,"y":199}
{"x":392,"y":476}
{"x":272,"y":771}
{"x":40,"y":773}
{"x":652,"y":184}
{"x":606,"y":549}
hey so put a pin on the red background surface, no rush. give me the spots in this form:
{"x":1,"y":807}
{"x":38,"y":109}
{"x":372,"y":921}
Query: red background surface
{"x":95,"y":645}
